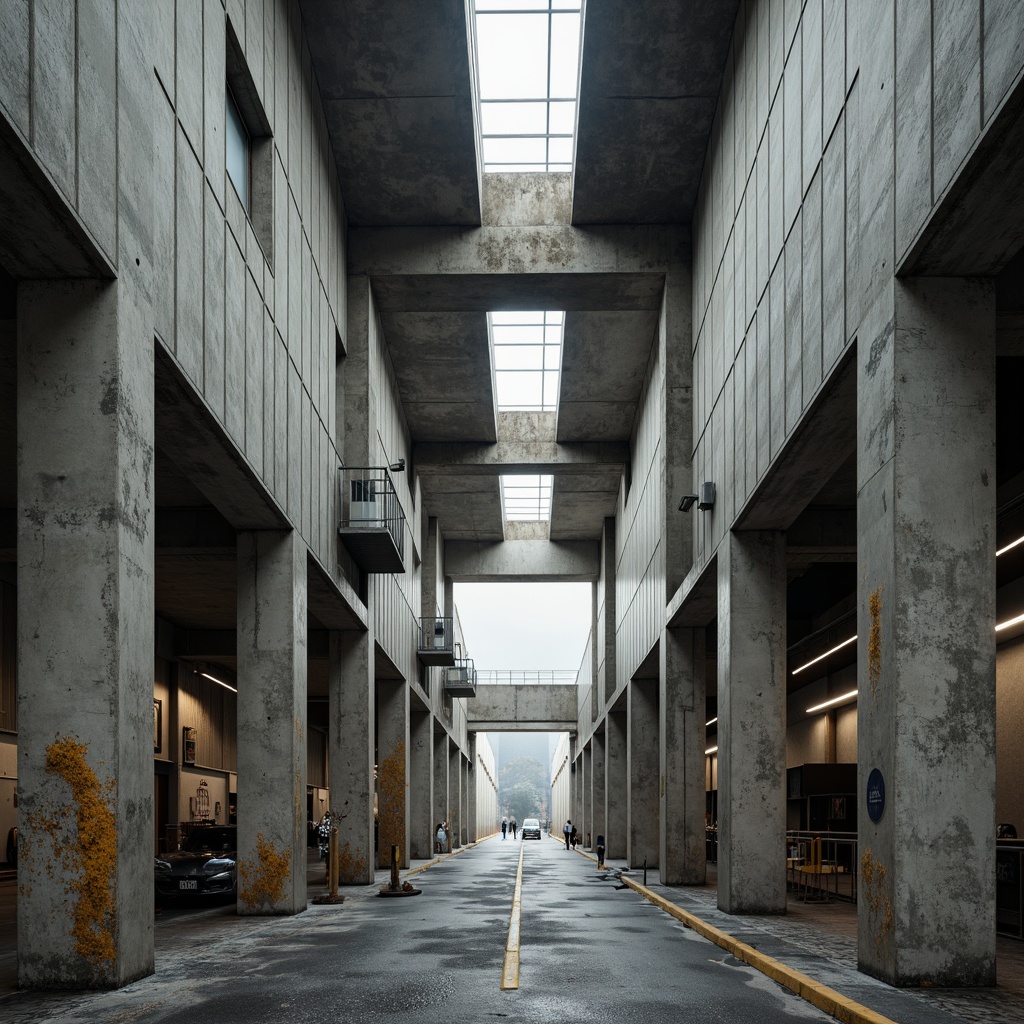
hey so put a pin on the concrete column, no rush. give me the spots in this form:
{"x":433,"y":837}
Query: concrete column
{"x":752,"y":723}
{"x":440,"y":777}
{"x":579,"y":784}
{"x":587,"y":767}
{"x":606,"y":614}
{"x":422,"y":822}
{"x":392,"y":771}
{"x":598,"y":786}
{"x":683,"y":857}
{"x":643,"y":770}
{"x":473,"y":782}
{"x":617,"y":785}
{"x":926,"y":654}
{"x":464,"y":802}
{"x":351,"y":750}
{"x":271,"y":723}
{"x":85,"y":635}
{"x":455,"y":794}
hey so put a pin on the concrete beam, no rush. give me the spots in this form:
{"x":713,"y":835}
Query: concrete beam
{"x":526,"y":561}
{"x":469,"y":459}
{"x":522,"y":707}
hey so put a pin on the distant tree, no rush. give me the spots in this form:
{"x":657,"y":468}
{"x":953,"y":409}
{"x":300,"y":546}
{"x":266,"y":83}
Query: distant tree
{"x":524,"y":785}
{"x":523,"y":801}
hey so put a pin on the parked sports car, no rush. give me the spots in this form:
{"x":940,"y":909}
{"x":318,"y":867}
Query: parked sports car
{"x":205,"y":865}
{"x":531,"y":828}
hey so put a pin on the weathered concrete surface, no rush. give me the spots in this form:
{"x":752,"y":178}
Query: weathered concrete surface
{"x":523,"y":198}
{"x":642,"y":754}
{"x":522,"y":560}
{"x":525,"y":456}
{"x":926,"y":606}
{"x":752,"y":723}
{"x":523,"y":708}
{"x":441,"y":765}
{"x":616,"y":783}
{"x":598,"y":787}
{"x":350,"y":739}
{"x":421,"y":784}
{"x":681,"y":710}
{"x":454,"y":795}
{"x":85,"y":634}
{"x":393,"y":764}
{"x":271,"y":723}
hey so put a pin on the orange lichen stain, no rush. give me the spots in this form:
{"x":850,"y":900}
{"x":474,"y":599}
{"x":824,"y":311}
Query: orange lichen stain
{"x":264,"y":881}
{"x":392,"y":781}
{"x":875,"y":639}
{"x":93,"y":857}
{"x":876,"y":896}
{"x":351,"y":867}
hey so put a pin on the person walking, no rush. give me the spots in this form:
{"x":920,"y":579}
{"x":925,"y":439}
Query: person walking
{"x":504,"y":827}
{"x":567,"y":831}
{"x":513,"y":824}
{"x":574,"y":837}
{"x":440,"y":838}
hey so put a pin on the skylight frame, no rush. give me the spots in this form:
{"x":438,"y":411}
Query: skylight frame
{"x":526,"y":498}
{"x":513,"y":337}
{"x":530,"y":9}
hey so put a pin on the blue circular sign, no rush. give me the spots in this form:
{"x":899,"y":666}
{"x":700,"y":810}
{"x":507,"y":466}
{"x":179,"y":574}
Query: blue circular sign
{"x":876,"y":794}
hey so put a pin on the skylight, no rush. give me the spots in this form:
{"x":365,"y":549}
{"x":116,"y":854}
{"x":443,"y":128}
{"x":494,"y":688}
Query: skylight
{"x":527,"y":359}
{"x":527,"y":498}
{"x":528,"y":57}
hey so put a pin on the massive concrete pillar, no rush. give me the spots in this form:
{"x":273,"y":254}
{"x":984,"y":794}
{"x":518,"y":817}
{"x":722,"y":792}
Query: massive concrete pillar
{"x":926,"y":664}
{"x":85,"y":635}
{"x":455,"y":794}
{"x":351,"y":750}
{"x":598,"y":786}
{"x":617,"y":784}
{"x":606,"y":678}
{"x":472,"y":782}
{"x":271,"y":722}
{"x":643,"y":772}
{"x":440,"y":777}
{"x":422,"y":822}
{"x":587,"y":813}
{"x":752,"y":723}
{"x":682,"y":730}
{"x":392,"y":771}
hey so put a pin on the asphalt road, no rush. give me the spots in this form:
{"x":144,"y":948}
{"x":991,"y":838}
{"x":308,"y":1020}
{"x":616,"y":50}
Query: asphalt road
{"x":589,"y":952}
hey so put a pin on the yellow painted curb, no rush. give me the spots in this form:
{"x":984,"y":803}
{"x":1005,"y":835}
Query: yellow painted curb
{"x":442,"y":857}
{"x":510,"y":970}
{"x":839,"y":1006}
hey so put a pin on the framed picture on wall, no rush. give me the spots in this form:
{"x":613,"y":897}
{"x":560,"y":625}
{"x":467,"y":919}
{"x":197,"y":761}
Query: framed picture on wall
{"x":158,"y":717}
{"x":188,"y":745}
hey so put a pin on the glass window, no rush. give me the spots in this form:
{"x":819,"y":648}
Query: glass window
{"x":527,"y":497}
{"x":527,"y":358}
{"x":236,"y":150}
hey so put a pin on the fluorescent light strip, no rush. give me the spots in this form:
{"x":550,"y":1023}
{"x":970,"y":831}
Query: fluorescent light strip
{"x":814,"y":661}
{"x":834,"y":700}
{"x":214,"y":679}
{"x":712,"y":722}
{"x":711,"y":750}
{"x":1009,"y":622}
{"x":1010,"y":546}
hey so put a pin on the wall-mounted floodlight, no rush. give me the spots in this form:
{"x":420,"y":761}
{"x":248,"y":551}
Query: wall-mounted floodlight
{"x":397,"y":467}
{"x":687,"y":503}
{"x":707,"y":496}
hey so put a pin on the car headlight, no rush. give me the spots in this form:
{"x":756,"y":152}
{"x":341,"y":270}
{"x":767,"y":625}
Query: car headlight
{"x":162,"y":865}
{"x":218,"y":866}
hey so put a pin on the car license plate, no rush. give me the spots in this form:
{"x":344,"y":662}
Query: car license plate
{"x":188,"y":884}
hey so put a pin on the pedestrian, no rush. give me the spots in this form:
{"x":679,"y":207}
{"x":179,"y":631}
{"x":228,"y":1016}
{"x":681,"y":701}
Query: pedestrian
{"x":574,"y":837}
{"x":567,"y":831}
{"x":599,"y":850}
{"x":440,"y":838}
{"x":513,"y":824}
{"x":504,"y":827}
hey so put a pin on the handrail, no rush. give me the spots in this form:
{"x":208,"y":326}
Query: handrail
{"x":527,"y":677}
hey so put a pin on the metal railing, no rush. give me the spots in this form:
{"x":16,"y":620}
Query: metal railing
{"x":1010,"y":887}
{"x":369,"y":502}
{"x":526,"y":677}
{"x":434,"y":634}
{"x":822,"y":865}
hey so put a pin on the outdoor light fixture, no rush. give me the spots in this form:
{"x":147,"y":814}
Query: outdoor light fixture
{"x":397,"y":467}
{"x":687,"y":503}
{"x":814,"y":661}
{"x":707,"y":496}
{"x":711,"y":750}
{"x":834,"y":700}
{"x":712,"y":722}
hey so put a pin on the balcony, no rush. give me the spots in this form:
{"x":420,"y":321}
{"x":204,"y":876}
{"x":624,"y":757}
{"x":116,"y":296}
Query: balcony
{"x":435,"y":641}
{"x":371,"y":522}
{"x":460,"y":679}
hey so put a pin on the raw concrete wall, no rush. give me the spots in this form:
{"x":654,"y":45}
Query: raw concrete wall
{"x":523,"y":708}
{"x":1010,"y":734}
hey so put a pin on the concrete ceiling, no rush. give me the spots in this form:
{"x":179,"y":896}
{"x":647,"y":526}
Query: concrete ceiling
{"x":649,"y":84}
{"x":395,"y":82}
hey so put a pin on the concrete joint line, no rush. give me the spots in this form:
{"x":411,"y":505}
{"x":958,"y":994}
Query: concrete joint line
{"x":839,"y":1006}
{"x":510,"y":972}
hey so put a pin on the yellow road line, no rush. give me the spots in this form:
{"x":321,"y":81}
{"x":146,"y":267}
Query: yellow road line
{"x":839,"y":1006}
{"x":510,"y":971}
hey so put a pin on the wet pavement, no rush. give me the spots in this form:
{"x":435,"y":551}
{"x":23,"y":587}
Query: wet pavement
{"x":590,"y":950}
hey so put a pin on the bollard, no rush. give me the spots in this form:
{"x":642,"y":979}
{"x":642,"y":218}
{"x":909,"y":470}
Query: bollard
{"x":333,"y":862}
{"x":645,"y":872}
{"x":394,"y":867}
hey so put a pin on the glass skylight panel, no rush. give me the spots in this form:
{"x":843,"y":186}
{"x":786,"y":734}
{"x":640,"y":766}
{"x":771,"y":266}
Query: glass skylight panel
{"x":527,"y":358}
{"x":528,"y":55}
{"x":527,"y":497}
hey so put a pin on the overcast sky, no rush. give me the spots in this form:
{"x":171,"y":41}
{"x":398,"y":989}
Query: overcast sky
{"x":525,"y":625}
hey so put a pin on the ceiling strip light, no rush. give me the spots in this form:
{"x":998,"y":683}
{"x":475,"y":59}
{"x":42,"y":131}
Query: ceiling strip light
{"x":711,"y":750}
{"x":814,"y":661}
{"x":712,"y":722}
{"x":219,"y":682}
{"x":1010,"y":546}
{"x":834,"y":700}
{"x":1009,"y":622}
